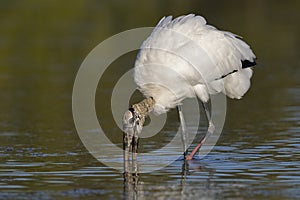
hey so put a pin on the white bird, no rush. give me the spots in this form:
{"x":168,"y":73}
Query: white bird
{"x":185,"y":58}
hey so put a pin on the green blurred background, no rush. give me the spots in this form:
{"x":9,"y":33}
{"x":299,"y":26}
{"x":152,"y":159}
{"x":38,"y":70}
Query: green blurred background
{"x":42,"y":44}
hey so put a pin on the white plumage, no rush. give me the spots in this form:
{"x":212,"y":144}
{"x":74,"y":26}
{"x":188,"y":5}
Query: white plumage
{"x":185,"y":57}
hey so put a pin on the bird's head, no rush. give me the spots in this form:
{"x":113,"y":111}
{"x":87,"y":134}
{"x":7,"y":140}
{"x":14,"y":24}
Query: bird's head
{"x":134,"y":118}
{"x":132,"y":122}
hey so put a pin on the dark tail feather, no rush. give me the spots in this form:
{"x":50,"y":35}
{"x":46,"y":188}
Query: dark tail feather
{"x":248,"y":63}
{"x":245,"y":64}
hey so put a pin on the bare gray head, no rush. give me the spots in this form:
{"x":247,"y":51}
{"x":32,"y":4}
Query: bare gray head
{"x":133,"y":121}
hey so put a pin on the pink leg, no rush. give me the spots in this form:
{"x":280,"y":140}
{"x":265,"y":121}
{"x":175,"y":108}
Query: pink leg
{"x":210,"y":130}
{"x":190,"y":157}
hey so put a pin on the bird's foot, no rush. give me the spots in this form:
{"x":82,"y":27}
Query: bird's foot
{"x":189,"y":157}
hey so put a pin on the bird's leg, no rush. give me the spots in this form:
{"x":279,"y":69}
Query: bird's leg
{"x":211,"y":126}
{"x":210,"y":130}
{"x":184,"y":134}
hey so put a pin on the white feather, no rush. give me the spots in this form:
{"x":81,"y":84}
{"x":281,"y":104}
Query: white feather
{"x":185,"y":57}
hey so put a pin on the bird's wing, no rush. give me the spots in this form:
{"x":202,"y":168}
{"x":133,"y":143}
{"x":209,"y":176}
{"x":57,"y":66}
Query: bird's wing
{"x":225,"y":50}
{"x":212,"y":53}
{"x":184,"y":52}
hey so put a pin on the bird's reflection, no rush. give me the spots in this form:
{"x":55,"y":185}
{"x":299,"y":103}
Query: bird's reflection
{"x":131,"y":185}
{"x":131,"y":176}
{"x":184,"y":173}
{"x":193,"y":166}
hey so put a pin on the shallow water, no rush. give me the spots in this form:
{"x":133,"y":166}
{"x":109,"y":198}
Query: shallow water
{"x":41,"y":156}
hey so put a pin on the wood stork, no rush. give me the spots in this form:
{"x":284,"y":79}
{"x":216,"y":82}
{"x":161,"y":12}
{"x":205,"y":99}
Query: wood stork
{"x":184,"y":58}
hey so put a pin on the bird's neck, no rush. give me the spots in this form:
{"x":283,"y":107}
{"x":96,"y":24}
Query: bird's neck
{"x":143,"y":108}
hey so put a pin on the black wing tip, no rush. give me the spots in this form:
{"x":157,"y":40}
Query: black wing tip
{"x":248,"y":63}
